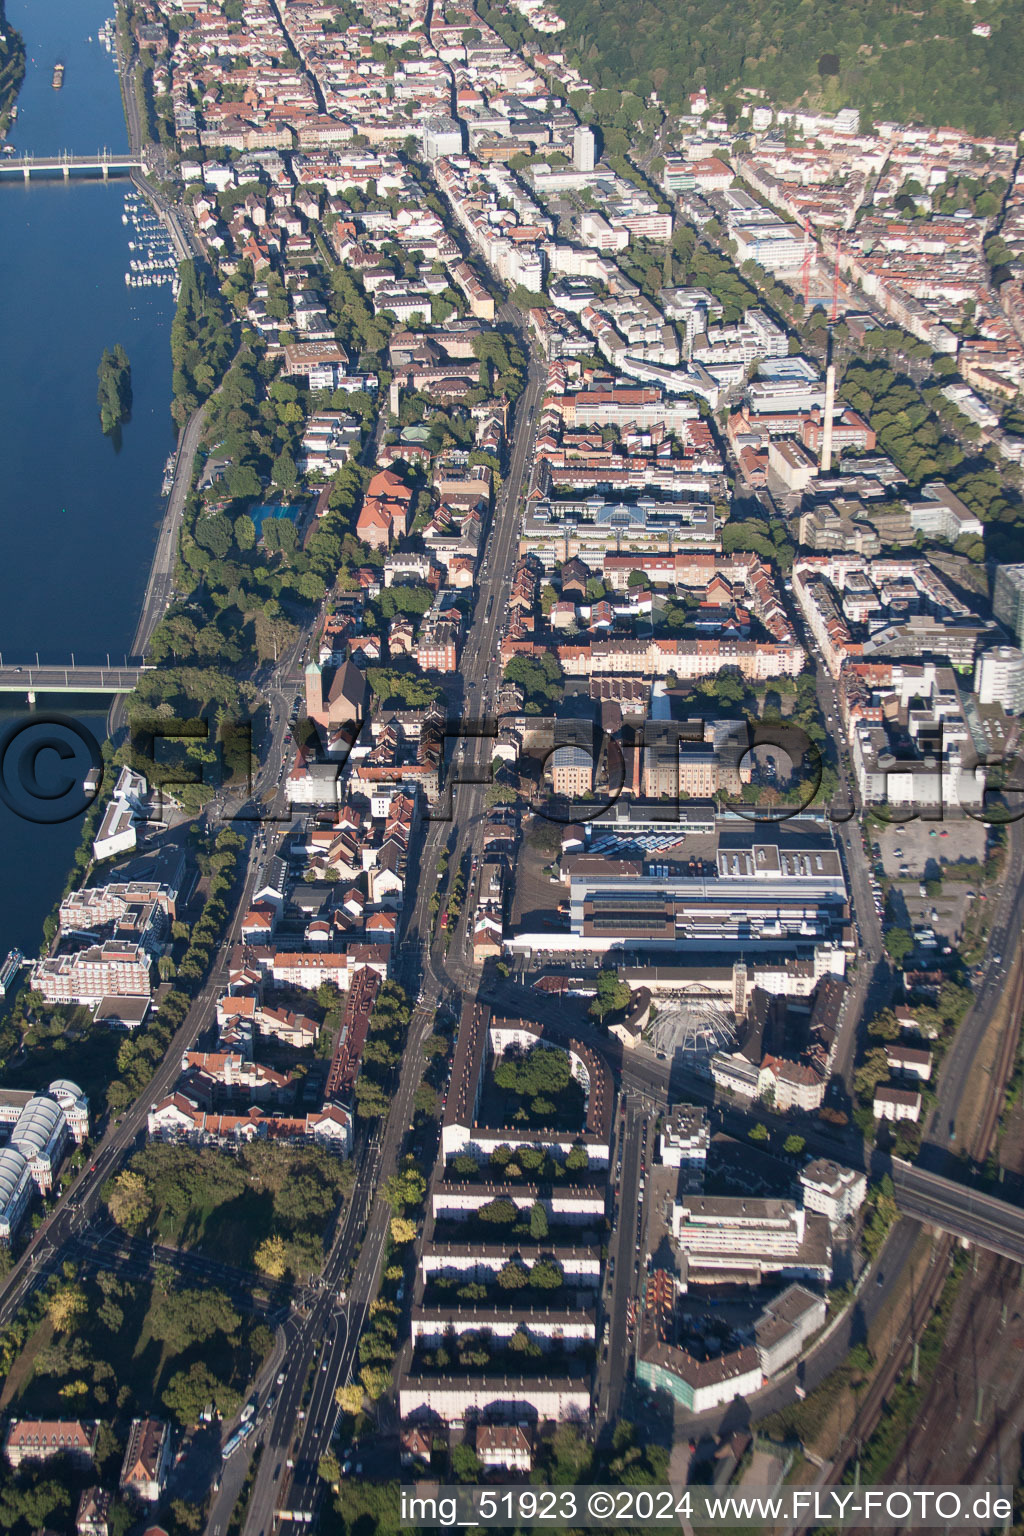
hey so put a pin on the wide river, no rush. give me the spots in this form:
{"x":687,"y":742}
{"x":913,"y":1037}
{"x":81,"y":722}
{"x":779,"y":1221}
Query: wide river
{"x":78,"y":516}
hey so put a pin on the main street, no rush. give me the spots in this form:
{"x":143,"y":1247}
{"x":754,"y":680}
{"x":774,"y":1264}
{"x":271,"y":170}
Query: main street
{"x":327,"y":1340}
{"x":624,"y":1256}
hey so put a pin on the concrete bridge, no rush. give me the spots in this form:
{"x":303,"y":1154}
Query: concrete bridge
{"x":104,"y":161}
{"x":31,"y":680}
{"x":978,"y":1218}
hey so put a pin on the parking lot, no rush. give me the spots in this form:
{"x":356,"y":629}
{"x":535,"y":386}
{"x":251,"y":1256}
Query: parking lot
{"x":537,"y":897}
{"x":916,"y":844}
{"x":923,"y":851}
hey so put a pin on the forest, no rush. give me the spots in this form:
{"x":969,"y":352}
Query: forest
{"x":911,"y":60}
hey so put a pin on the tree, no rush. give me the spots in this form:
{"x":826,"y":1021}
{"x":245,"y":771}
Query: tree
{"x":405,"y":1188}
{"x":759,"y":1133}
{"x":872,"y":1071}
{"x":402,"y":1230}
{"x":201,"y":340}
{"x":192,"y":1316}
{"x":899,"y":943}
{"x":521,"y":1343}
{"x":328,"y":1468}
{"x":37,"y":1506}
{"x":190,"y":1392}
{"x":284,"y":472}
{"x":612,"y":995}
{"x":499,"y":1213}
{"x":349,"y":1398}
{"x":465,"y":1464}
{"x":544,"y":1070}
{"x":375,"y":1380}
{"x":243,"y":482}
{"x":538,"y":1221}
{"x":793,"y":1145}
{"x":65,"y":1307}
{"x":129,"y":1201}
{"x":546,"y":1275}
{"x":188,"y":1517}
{"x":884,"y":1026}
{"x":114,"y":394}
{"x":271,"y":1257}
{"x":513,"y":1276}
{"x":424,"y":1100}
{"x":245,"y":532}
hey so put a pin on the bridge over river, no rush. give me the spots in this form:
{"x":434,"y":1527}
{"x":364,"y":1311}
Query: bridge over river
{"x":104,"y":161}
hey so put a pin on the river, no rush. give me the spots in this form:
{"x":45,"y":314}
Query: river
{"x":78,"y":514}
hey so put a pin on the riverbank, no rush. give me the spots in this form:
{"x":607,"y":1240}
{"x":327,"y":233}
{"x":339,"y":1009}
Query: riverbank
{"x":12,"y":69}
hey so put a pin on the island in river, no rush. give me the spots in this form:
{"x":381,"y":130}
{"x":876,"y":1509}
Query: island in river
{"x":114,"y":394}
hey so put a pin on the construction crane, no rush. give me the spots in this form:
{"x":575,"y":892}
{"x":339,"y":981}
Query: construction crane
{"x":835,"y":282}
{"x":805,"y":266}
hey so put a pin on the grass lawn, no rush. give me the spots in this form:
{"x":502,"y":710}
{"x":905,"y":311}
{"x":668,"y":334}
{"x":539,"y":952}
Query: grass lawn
{"x":230,"y":1232}
{"x":24,"y":1366}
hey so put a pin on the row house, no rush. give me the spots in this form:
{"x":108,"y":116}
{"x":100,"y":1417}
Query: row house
{"x":180,"y":1118}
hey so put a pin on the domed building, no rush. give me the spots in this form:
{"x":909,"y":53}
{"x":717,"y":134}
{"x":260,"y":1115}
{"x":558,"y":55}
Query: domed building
{"x":15,"y":1191}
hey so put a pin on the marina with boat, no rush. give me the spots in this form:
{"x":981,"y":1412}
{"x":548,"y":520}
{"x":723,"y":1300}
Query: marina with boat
{"x":153,"y":261}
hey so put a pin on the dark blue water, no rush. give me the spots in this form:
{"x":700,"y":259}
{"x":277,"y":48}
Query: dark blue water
{"x":78,"y":514}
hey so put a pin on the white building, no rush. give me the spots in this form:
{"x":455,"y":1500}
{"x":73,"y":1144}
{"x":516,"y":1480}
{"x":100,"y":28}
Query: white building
{"x":40,"y":1134}
{"x":452,"y":1398}
{"x":832,"y":1190}
{"x":896,"y":1104}
{"x":509,"y":1446}
{"x":583,"y":147}
{"x":147,"y":1461}
{"x":685,"y":1138}
{"x":700,"y":1384}
{"x":785,"y":1325}
{"x":117,"y":831}
{"x":726,"y":1238}
{"x":562,"y":1203}
{"x":442,"y":136}
{"x":942,"y":515}
{"x":999,"y":678}
{"x":909,"y":1061}
{"x":568,"y":1328}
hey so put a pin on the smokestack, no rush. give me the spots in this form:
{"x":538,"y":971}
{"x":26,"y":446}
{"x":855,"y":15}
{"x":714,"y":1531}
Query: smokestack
{"x":826,"y":436}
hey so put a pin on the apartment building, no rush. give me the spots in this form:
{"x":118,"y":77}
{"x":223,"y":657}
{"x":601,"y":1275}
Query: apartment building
{"x":147,"y":1461}
{"x":835,"y":1192}
{"x":43,"y":1439}
{"x":727,"y":1238}
{"x":99,"y":971}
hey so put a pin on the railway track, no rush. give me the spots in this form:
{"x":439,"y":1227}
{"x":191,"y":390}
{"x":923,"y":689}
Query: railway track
{"x":925,"y":1301}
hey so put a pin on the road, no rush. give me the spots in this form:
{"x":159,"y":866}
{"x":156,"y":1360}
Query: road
{"x":161,"y":573}
{"x":624,"y":1258}
{"x":942,"y":1130}
{"x":326,"y":1342}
